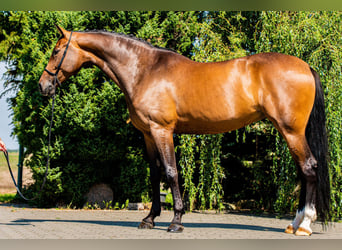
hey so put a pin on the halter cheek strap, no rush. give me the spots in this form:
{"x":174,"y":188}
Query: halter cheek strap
{"x":56,"y":81}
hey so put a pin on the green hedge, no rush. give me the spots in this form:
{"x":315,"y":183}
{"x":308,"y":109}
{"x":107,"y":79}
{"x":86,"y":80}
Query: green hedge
{"x":93,"y":143}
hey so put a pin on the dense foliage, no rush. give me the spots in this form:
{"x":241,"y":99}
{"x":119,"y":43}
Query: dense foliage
{"x":93,"y":143}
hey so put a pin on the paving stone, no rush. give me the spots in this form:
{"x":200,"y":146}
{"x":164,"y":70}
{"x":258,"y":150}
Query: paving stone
{"x":31,"y":223}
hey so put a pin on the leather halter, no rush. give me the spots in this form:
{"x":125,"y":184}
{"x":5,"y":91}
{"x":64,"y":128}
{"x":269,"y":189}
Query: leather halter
{"x":56,"y":81}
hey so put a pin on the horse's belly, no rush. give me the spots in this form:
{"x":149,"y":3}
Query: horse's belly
{"x":215,"y":126}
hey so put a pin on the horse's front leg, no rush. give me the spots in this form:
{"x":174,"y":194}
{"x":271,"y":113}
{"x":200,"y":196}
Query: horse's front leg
{"x":163,"y":138}
{"x":153,"y":155}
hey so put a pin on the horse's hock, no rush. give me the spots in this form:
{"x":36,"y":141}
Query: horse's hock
{"x":99,"y":195}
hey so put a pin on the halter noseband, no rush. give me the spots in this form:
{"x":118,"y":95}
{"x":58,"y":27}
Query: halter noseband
{"x":56,"y":81}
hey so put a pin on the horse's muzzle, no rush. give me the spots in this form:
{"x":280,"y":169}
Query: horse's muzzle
{"x":46,"y":89}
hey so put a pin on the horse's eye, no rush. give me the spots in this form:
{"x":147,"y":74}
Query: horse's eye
{"x":55,"y":52}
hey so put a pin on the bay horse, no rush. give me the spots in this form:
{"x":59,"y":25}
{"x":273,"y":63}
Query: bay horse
{"x":168,"y":93}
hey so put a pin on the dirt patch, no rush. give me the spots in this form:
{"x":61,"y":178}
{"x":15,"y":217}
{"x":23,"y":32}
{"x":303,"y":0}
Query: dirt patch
{"x":6,"y":183}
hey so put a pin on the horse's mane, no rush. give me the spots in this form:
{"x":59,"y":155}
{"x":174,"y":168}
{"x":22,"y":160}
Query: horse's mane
{"x":128,"y":36}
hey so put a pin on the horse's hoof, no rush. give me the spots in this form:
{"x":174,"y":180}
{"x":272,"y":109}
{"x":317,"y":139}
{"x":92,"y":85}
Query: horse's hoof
{"x":289,"y":229}
{"x":175,"y":228}
{"x":303,"y":232}
{"x":146,"y":225}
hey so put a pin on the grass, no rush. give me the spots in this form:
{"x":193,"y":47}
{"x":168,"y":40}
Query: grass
{"x":7,"y":198}
{"x":7,"y":189}
{"x":13,"y":158}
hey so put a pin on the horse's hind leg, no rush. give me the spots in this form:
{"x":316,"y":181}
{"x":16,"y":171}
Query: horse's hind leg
{"x":306,"y":164}
{"x":153,"y":155}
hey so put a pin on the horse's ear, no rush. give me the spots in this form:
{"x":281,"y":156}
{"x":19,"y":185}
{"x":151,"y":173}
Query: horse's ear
{"x":61,"y":30}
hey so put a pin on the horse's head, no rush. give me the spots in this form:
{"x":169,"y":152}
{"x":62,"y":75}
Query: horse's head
{"x":66,"y":60}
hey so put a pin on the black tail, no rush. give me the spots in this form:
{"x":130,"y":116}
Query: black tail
{"x":316,"y":136}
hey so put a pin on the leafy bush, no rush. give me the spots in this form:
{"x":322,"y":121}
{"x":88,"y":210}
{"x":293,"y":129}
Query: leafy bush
{"x":92,"y":142}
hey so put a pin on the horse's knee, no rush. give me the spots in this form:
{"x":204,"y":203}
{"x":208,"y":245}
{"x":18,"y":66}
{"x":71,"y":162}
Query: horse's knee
{"x":171,"y":175}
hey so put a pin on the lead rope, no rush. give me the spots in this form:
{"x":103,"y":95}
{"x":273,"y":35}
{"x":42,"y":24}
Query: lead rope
{"x":55,"y":83}
{"x":47,"y":162}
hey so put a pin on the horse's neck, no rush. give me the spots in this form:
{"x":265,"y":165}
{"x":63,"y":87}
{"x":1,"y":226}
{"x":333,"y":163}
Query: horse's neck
{"x":119,"y":57}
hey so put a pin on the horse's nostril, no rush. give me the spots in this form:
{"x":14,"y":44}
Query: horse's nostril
{"x":50,"y":87}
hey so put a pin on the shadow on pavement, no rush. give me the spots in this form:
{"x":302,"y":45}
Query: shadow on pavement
{"x":159,"y":225}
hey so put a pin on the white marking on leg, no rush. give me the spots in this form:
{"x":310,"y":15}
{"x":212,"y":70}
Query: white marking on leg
{"x":310,"y":215}
{"x":298,"y":219}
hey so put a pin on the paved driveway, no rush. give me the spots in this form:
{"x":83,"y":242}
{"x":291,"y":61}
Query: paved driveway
{"x":30,"y":223}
